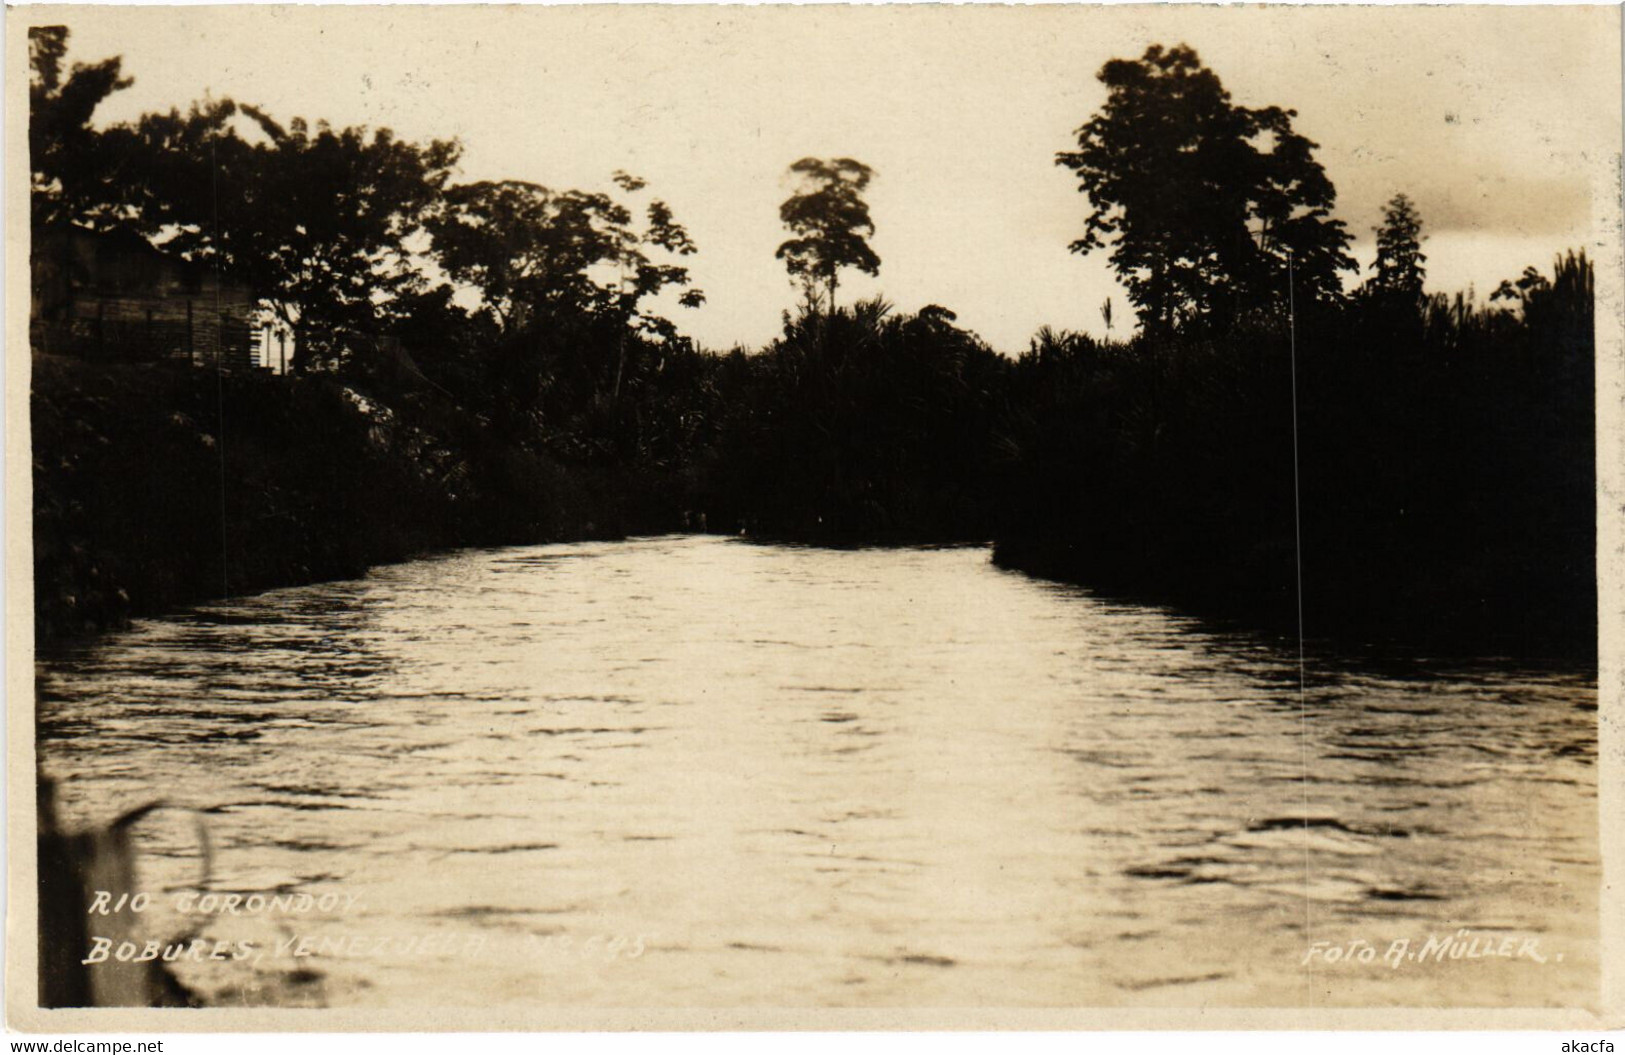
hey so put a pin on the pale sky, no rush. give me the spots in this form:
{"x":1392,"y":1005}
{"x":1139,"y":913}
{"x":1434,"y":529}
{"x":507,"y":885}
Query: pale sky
{"x":1501,"y":123}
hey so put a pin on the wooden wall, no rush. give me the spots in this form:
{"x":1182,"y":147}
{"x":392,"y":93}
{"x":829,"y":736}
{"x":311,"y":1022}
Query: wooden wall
{"x":109,"y":298}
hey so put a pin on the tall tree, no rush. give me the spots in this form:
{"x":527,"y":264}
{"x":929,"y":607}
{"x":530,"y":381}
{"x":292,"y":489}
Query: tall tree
{"x":564,"y":279}
{"x":830,"y":225}
{"x":69,"y":178}
{"x":541,"y":256}
{"x":1397,"y":270}
{"x":319,"y":222}
{"x":1202,"y":201}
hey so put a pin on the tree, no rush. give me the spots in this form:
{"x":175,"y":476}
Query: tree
{"x":1203,"y":201}
{"x":319,"y":222}
{"x":1562,"y":308}
{"x":69,"y":181}
{"x":1398,"y":269}
{"x":563,"y":279}
{"x":830,"y":223}
{"x":540,"y":256}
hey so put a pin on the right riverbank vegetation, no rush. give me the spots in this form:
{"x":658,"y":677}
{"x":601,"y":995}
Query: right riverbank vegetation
{"x":502,"y":362}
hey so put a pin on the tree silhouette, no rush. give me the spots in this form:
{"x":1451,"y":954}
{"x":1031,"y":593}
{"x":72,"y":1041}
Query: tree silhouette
{"x":538,"y":255}
{"x":1398,"y":269}
{"x":318,"y":221}
{"x":562,"y":277}
{"x":69,"y":179}
{"x":830,"y":223}
{"x":1202,"y":200}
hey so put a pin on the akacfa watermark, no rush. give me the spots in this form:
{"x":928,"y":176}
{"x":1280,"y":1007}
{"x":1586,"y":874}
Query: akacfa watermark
{"x":1462,"y":945}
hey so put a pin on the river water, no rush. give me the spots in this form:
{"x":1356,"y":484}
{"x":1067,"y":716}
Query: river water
{"x":695,"y":771}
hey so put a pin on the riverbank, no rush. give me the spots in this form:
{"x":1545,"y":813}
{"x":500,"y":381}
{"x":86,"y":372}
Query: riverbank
{"x":1430,"y":477}
{"x":1347,"y":610}
{"x":1432,"y":481}
{"x":159,"y":485}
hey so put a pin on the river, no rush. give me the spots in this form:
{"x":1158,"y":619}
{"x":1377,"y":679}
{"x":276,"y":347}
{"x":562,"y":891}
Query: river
{"x":690,"y":771}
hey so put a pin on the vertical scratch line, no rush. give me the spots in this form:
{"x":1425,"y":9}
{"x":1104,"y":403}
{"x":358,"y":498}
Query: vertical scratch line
{"x":219,"y":384}
{"x":1297,"y":549}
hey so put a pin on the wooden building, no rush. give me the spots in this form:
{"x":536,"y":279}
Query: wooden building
{"x":113,"y":297}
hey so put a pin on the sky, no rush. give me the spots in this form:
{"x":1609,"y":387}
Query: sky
{"x":1502,"y":124}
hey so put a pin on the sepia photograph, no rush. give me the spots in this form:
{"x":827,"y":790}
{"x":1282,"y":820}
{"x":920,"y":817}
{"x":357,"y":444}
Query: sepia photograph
{"x":826,"y":517}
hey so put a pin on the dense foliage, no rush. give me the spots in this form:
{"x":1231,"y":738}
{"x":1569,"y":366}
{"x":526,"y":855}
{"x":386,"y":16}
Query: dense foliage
{"x":1445,"y":457}
{"x":861,"y":425}
{"x":1434,"y":456}
{"x":1203,"y":202}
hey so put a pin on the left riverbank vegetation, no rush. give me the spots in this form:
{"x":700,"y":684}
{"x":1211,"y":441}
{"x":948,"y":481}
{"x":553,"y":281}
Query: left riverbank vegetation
{"x":503,"y":362}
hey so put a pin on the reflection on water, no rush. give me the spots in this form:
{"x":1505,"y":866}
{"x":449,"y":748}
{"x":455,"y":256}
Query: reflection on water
{"x":689,"y":771}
